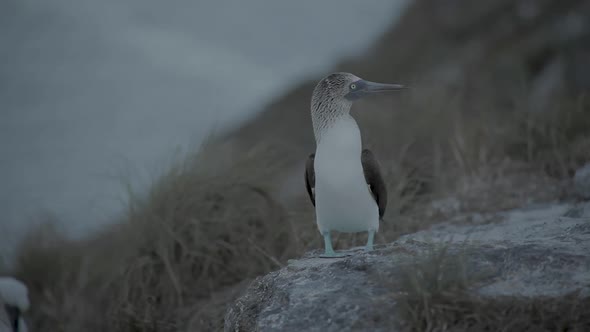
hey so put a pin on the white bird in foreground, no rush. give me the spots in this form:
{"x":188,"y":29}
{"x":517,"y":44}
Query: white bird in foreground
{"x":343,"y":180}
{"x":15,"y":300}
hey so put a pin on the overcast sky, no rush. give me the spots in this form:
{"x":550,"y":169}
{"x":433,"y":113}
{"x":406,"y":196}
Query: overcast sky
{"x":89,"y":89}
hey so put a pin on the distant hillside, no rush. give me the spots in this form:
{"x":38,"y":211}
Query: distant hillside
{"x":454,"y":42}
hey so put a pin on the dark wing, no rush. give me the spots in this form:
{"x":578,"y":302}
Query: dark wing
{"x":310,"y":177}
{"x":374,"y":179}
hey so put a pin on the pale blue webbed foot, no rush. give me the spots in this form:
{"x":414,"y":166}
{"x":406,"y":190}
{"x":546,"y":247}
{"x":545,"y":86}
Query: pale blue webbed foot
{"x":329,"y":251}
{"x":370,"y":239}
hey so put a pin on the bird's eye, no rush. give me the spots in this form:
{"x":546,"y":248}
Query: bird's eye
{"x":352,"y":86}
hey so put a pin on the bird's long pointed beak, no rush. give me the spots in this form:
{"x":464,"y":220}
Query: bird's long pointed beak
{"x":373,"y":87}
{"x":366,"y":88}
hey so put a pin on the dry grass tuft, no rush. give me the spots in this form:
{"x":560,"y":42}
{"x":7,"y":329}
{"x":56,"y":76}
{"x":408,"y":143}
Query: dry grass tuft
{"x":436,"y":293}
{"x":63,"y":281}
{"x":174,"y":258}
{"x":197,"y":236}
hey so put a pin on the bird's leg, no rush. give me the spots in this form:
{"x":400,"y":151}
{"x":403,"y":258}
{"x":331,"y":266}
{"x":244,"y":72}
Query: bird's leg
{"x":371,"y":237}
{"x":329,"y":251}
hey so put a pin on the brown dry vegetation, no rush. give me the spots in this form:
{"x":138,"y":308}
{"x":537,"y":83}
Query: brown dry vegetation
{"x":435,"y":294}
{"x":214,"y":221}
{"x":169,"y":264}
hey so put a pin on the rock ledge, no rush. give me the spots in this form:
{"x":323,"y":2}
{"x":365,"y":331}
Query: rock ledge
{"x":539,"y":251}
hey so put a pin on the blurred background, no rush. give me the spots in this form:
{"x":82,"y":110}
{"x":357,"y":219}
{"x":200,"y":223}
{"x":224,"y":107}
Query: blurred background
{"x":96,"y":91}
{"x":153,"y":153}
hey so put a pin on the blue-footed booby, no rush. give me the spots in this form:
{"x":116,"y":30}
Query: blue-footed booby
{"x":14,"y":300}
{"x":343,"y":180}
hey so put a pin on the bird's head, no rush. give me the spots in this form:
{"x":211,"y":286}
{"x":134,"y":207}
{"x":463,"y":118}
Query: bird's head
{"x":334,"y":94}
{"x":345,"y":88}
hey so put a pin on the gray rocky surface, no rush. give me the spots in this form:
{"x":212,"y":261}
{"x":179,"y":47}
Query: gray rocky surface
{"x":537,"y":251}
